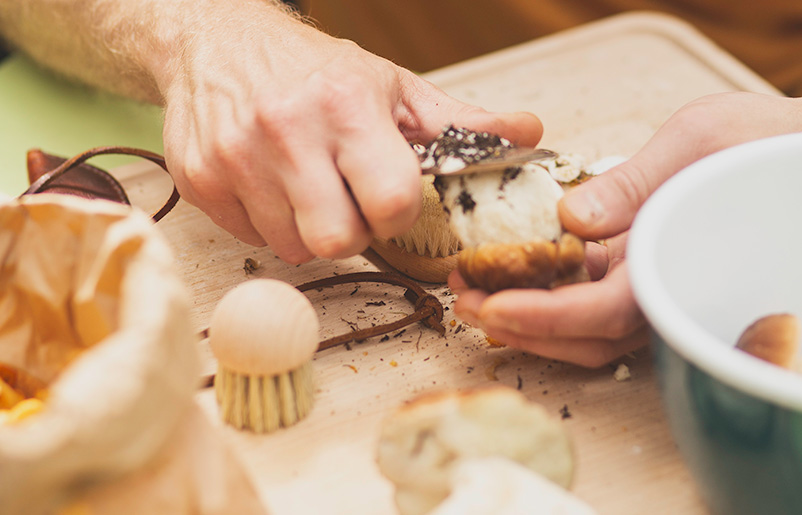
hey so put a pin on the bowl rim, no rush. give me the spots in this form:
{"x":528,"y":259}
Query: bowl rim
{"x":716,"y":357}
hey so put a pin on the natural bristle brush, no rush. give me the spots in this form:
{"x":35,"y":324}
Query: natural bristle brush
{"x":428,"y":251}
{"x":264,"y":333}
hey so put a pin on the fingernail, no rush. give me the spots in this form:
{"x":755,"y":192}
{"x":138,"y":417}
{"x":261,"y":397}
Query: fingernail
{"x":584,"y":207}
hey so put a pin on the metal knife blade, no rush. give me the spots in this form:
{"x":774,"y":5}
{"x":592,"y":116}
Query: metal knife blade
{"x":513,"y":157}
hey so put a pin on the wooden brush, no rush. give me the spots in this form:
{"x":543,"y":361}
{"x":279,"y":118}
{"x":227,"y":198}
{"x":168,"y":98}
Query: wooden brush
{"x":264,"y":333}
{"x":428,"y":250}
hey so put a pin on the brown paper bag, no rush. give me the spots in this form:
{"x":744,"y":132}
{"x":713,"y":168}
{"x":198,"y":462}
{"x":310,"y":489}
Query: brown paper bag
{"x":91,"y":304}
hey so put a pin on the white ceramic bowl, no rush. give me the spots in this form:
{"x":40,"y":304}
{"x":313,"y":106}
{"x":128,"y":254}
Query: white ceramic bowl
{"x":715,"y":248}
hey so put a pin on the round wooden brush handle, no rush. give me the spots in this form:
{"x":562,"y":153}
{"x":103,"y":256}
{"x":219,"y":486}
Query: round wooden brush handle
{"x":264,"y":327}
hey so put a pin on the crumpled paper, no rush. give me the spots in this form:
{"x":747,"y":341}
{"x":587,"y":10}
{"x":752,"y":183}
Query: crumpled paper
{"x":91,"y":304}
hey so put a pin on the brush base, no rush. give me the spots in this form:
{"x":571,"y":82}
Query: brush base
{"x":264,"y":403}
{"x":422,"y":268}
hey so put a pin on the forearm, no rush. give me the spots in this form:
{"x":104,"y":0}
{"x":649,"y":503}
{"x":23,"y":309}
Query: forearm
{"x":124,"y":46}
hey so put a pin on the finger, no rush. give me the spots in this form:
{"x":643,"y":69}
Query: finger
{"x":606,"y":205}
{"x":468,"y":306}
{"x":274,"y":219}
{"x":521,"y":128}
{"x":457,"y":283}
{"x":328,"y":220}
{"x":221,"y":206}
{"x":429,"y":109}
{"x":234,"y":219}
{"x":383,"y":174}
{"x":596,"y":260}
{"x":604,"y":309}
{"x":586,"y":352}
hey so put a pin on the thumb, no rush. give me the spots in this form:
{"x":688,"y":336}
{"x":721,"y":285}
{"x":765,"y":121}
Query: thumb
{"x":605,"y":205}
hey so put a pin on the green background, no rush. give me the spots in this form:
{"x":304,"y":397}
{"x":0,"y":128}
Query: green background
{"x":41,"y":110}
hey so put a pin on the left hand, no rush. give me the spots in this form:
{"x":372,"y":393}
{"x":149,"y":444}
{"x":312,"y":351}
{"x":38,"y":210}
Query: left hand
{"x":591,"y":324}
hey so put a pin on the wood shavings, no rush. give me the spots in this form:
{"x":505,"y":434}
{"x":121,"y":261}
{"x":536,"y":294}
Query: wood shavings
{"x":494,"y":343}
{"x":622,"y":373}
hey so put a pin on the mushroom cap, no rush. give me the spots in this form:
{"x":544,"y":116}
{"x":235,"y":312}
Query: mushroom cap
{"x":423,"y":442}
{"x":264,"y":327}
{"x":536,"y":264}
{"x":773,"y":338}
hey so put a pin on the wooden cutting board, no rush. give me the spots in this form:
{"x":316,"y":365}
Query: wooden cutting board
{"x":601,"y":89}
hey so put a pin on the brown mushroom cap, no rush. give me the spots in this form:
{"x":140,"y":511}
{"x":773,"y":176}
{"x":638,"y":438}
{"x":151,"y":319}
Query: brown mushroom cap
{"x":538,"y":264}
{"x":773,"y":338}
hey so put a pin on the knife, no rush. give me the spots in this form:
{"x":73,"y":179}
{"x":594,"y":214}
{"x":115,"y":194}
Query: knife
{"x":512,"y":157}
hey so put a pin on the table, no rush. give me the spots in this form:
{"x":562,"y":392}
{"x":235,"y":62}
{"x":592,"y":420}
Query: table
{"x":601,"y":89}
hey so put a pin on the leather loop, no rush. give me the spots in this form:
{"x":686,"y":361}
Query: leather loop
{"x":427,"y":308}
{"x":91,"y":182}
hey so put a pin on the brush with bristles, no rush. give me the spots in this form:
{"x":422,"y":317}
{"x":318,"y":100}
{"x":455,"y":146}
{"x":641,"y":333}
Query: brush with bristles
{"x":428,"y":250}
{"x":264,"y":333}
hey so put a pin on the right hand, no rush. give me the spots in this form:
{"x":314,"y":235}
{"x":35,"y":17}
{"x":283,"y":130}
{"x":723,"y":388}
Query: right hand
{"x":288,"y":137}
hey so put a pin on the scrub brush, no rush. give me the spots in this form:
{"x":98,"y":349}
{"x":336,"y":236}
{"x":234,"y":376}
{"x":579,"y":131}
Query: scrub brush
{"x":428,"y":250}
{"x":264,"y":333}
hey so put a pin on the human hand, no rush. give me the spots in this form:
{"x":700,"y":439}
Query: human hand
{"x":593,"y":323}
{"x":288,"y":137}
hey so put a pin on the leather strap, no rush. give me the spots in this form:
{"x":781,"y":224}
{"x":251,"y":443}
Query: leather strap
{"x":88,"y":181}
{"x":428,"y":309}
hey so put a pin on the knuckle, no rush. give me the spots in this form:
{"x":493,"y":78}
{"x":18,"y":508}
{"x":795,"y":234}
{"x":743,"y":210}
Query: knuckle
{"x":229,"y":150}
{"x":704,"y":117}
{"x":396,"y":207}
{"x":197,"y":181}
{"x":633,"y":184}
{"x":337,"y":242}
{"x":274,"y":116}
{"x":343,"y":96}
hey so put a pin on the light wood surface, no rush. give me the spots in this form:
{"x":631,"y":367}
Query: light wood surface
{"x":601,"y":89}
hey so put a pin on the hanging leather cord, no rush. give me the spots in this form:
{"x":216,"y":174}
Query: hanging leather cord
{"x":48,"y":180}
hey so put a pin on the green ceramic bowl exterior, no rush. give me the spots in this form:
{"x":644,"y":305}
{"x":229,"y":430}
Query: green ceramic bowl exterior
{"x":715,"y":248}
{"x":745,"y":453}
